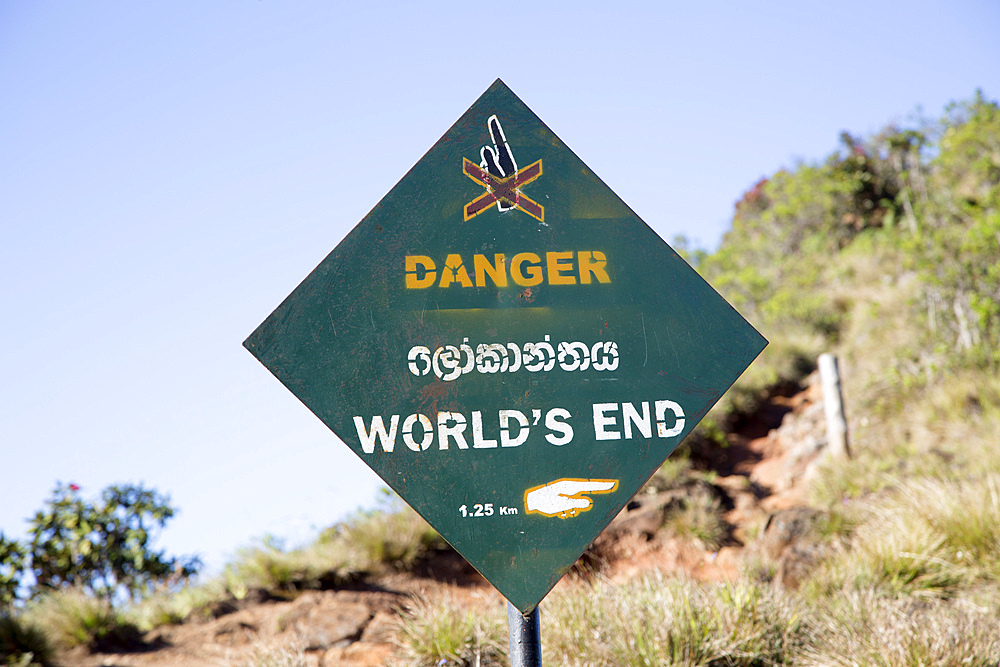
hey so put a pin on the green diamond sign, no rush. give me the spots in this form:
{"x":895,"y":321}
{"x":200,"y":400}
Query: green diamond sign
{"x":507,"y":345}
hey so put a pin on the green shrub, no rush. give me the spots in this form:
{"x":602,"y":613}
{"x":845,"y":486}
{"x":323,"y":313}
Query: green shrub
{"x":105,"y":546}
{"x":12,"y":563}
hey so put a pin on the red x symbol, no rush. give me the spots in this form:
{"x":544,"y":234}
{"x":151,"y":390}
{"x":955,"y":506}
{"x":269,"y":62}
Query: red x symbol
{"x":505,"y":189}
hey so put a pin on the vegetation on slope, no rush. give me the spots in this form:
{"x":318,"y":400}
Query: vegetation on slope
{"x":888,"y":254}
{"x":885,"y":253}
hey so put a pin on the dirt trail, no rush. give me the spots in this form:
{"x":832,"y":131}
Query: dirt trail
{"x":761,"y":472}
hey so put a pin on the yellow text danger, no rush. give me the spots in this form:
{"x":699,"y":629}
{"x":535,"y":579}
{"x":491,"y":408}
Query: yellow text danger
{"x":525,"y":269}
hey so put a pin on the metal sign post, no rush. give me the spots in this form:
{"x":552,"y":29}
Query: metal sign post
{"x":508,"y":346}
{"x":525,"y":637}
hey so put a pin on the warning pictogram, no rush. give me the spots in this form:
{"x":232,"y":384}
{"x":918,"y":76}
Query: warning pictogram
{"x":498,"y":173}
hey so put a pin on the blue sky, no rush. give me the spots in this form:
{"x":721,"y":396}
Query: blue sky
{"x":170,"y":171}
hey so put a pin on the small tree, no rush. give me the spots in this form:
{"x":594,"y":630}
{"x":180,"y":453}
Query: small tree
{"x":103,"y":547}
{"x":12,"y":560}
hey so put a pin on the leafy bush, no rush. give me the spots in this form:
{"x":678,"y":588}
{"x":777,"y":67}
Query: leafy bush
{"x":12,"y":563}
{"x":917,"y":210}
{"x":103,"y":548}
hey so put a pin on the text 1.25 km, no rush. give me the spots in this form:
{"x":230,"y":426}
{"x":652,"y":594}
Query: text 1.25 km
{"x":486,"y":509}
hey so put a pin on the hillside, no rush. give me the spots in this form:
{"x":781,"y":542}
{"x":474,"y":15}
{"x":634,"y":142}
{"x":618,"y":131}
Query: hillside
{"x":686,"y":520}
{"x":751,"y":545}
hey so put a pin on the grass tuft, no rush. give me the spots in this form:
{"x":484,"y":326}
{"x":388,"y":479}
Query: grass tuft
{"x":22,"y":642}
{"x":277,"y":654}
{"x":655,"y":620}
{"x":447,"y":631}
{"x":267,"y":567}
{"x":382,"y":541}
{"x":673,"y":473}
{"x":368,"y":543}
{"x":699,"y":519}
{"x":170,"y":607}
{"x":867,"y":628}
{"x":73,"y":618}
{"x":928,"y":538}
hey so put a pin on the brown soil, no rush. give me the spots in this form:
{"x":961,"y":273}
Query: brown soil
{"x":758,"y":474}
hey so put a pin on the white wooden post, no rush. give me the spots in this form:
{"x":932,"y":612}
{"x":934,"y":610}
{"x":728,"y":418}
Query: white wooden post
{"x":833,"y":405}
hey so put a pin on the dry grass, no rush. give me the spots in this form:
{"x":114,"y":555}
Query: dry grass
{"x":651,"y":620}
{"x":865,"y":628}
{"x":70,"y":617}
{"x":277,"y":654}
{"x":368,"y":543}
{"x":916,"y":407}
{"x":699,"y":519}
{"x":657,"y":620}
{"x":927,"y":538}
{"x":447,"y":630}
{"x":22,"y":642}
{"x":672,"y":473}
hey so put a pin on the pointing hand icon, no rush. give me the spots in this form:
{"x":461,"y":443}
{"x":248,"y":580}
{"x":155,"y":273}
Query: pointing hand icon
{"x":566,"y":497}
{"x":498,"y":159}
{"x":498,"y":173}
